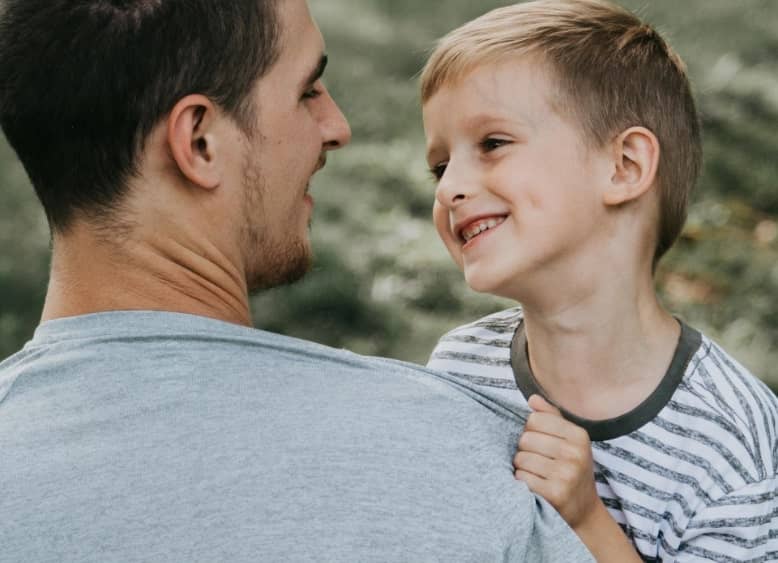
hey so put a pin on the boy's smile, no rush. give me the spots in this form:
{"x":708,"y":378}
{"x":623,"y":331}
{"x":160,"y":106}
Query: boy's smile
{"x":475,"y":227}
{"x":517,"y":185}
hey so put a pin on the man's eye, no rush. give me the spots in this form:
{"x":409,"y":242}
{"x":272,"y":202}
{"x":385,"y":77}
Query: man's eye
{"x":490,"y":143}
{"x":311,"y":93}
{"x":438,"y":170}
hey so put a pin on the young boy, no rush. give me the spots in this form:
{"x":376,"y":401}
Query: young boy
{"x":564,"y":139}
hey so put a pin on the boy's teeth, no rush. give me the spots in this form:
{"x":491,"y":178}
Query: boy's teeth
{"x":479,"y":227}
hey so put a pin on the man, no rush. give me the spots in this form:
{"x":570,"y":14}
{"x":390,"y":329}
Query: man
{"x":171,"y":144}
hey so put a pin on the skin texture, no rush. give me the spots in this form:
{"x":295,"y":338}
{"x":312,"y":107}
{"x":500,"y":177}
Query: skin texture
{"x":217,"y":209}
{"x":573,"y":243}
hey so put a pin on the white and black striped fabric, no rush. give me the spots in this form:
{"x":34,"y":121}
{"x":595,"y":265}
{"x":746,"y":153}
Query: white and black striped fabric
{"x":690,"y":474}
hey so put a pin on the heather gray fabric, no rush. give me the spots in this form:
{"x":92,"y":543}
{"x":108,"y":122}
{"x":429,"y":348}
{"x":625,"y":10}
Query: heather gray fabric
{"x":142,"y":436}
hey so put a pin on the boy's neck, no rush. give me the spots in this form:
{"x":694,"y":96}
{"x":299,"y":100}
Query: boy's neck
{"x":601,"y":356}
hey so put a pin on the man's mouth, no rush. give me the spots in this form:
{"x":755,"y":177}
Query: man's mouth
{"x":321,"y":163}
{"x":472,"y":230}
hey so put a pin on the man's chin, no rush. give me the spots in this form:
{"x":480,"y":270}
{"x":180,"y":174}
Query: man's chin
{"x":284,"y":272}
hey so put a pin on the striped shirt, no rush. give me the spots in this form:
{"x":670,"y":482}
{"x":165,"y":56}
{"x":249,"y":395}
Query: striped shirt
{"x":690,"y":474}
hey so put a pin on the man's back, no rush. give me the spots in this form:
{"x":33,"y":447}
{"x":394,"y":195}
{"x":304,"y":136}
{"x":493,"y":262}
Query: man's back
{"x":159,"y":436}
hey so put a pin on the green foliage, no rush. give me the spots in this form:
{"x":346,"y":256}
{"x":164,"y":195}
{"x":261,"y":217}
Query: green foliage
{"x":23,"y":255}
{"x":383,"y":284}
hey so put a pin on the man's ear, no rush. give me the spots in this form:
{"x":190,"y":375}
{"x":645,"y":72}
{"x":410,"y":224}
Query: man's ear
{"x":194,"y":140}
{"x":636,"y":152}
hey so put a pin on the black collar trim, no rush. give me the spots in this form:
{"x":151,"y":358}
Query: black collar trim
{"x":688,"y":344}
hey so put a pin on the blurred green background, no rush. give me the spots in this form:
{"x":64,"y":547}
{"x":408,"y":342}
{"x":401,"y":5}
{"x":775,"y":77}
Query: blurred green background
{"x":384,"y":285}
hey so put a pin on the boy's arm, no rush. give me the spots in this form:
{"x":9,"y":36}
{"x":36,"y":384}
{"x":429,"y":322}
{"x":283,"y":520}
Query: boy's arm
{"x":555,"y":461}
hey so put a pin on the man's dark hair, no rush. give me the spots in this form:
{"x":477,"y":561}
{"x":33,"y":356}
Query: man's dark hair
{"x":83,"y":83}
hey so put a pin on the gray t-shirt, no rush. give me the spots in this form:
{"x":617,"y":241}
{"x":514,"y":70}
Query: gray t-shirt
{"x":148,"y":436}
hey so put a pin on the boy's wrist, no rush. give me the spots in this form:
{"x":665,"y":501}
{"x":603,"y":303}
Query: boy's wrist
{"x":603,"y":536}
{"x":596,"y":518}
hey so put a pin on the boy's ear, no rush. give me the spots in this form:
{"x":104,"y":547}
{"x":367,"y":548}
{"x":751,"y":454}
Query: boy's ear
{"x":636,"y":152}
{"x":194,"y":141}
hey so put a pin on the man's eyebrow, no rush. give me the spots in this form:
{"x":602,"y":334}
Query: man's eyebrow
{"x":317,"y":72}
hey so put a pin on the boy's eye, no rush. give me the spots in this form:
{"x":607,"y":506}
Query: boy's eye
{"x":491,"y":143}
{"x":438,"y":170}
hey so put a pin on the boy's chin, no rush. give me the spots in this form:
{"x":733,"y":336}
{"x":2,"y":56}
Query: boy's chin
{"x":482,"y":283}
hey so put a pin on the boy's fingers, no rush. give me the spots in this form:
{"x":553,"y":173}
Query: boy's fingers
{"x":547,"y":423}
{"x":533,"y":463}
{"x":542,"y":443}
{"x":539,"y":404}
{"x":534,"y":482}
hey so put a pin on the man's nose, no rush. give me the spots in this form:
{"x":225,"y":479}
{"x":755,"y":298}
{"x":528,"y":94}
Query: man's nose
{"x":336,"y":131}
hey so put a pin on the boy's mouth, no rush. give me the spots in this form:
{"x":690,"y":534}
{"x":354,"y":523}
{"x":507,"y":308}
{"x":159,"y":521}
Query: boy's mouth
{"x":475,"y":228}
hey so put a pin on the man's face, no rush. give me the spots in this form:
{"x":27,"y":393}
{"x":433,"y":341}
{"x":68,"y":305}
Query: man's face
{"x":296,"y":123}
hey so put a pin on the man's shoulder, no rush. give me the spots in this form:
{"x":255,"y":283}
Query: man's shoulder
{"x":178,"y":426}
{"x":137,"y":345}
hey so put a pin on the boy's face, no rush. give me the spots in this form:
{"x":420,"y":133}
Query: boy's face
{"x":517,"y":200}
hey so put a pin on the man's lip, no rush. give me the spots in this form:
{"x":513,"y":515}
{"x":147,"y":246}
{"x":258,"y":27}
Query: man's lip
{"x":319,"y":165}
{"x":460,"y":226}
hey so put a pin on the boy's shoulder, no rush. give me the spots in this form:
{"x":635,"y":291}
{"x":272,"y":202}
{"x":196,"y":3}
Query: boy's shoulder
{"x":480,"y":351}
{"x":735,"y":414}
{"x":725,"y":384}
{"x":500,"y":324}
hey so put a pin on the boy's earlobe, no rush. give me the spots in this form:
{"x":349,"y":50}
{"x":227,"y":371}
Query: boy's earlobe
{"x":192,"y":141}
{"x":636,"y":152}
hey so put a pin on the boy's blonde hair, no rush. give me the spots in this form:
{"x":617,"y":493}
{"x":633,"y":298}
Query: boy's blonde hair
{"x":612,"y":72}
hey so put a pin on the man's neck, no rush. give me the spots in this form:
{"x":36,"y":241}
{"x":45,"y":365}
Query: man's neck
{"x":90,"y":275}
{"x":602,"y":351}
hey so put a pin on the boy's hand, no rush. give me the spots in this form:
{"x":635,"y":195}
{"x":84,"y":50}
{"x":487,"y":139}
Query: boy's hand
{"x":555,"y":461}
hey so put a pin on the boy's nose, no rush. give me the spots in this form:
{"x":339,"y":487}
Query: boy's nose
{"x":452,"y":191}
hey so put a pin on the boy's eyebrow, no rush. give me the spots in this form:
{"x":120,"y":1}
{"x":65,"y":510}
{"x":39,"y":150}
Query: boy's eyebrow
{"x":317,"y":71}
{"x":433,"y":150}
{"x":489,"y":120}
{"x":481,"y":121}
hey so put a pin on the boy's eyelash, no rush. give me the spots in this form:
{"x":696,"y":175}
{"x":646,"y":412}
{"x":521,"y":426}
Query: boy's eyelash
{"x":438,"y":170}
{"x":491,"y":143}
{"x":488,"y":144}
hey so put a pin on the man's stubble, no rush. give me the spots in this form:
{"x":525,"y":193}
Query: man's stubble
{"x":272,"y":258}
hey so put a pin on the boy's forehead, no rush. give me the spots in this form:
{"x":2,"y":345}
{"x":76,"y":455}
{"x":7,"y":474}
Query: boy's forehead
{"x":513,"y":89}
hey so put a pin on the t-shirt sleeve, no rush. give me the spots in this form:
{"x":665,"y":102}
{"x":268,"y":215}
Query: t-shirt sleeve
{"x":549,"y":540}
{"x":741,"y":526}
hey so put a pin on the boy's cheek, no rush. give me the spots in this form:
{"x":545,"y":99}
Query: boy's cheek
{"x":441,"y":219}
